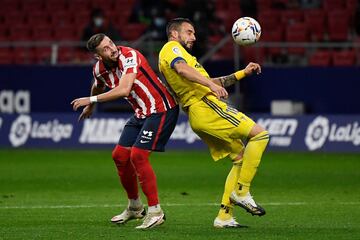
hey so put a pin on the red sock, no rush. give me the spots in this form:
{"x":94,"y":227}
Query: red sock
{"x":126,"y":171}
{"x":146,"y":175}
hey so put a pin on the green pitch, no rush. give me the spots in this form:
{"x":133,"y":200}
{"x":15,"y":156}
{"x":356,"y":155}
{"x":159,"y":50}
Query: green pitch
{"x":73,"y":194}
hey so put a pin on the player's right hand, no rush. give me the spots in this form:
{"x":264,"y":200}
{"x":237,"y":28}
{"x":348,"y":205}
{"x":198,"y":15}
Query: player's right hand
{"x":219,"y":91}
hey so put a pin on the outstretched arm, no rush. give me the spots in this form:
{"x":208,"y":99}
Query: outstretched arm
{"x":122,"y":90}
{"x":226,"y":81}
{"x":183,"y":69}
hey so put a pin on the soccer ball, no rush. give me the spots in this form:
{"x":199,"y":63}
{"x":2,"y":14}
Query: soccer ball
{"x":246,"y":31}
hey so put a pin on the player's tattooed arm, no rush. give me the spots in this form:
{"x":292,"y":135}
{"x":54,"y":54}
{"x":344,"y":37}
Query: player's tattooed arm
{"x":225,"y":81}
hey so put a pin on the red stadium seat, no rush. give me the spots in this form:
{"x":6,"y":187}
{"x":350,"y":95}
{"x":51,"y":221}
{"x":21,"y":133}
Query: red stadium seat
{"x":66,"y":33}
{"x":315,"y":21}
{"x":43,"y":33}
{"x":292,"y":16}
{"x":263,"y":5}
{"x":330,"y":5}
{"x":131,"y":32}
{"x":32,"y":5}
{"x":274,"y":35}
{"x":352,"y":4}
{"x":269,"y":19}
{"x":81,"y":18}
{"x":117,"y":19}
{"x":84,"y":56}
{"x":66,"y":55}
{"x":14,"y":18}
{"x":344,"y":58}
{"x":226,"y":52}
{"x":4,"y":33}
{"x":6,"y":56}
{"x":20,"y":33}
{"x":76,"y":5}
{"x":105,"y":5}
{"x":320,"y":58}
{"x":253,"y":54}
{"x":42,"y":55}
{"x":10,"y":6}
{"x":52,"y":6}
{"x":37,"y":18}
{"x":297,"y":32}
{"x":61,"y":19}
{"x":338,"y":25}
{"x":23,"y":55}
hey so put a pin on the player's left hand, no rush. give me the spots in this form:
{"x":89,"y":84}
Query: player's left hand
{"x":252,"y":68}
{"x":79,"y":102}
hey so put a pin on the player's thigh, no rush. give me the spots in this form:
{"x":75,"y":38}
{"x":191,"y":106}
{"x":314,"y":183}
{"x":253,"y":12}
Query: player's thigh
{"x":216,"y":118}
{"x":157,"y":130}
{"x":130,"y":132}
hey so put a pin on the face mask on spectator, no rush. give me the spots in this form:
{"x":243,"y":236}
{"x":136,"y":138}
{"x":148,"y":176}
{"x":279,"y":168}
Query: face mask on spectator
{"x":98,"y":21}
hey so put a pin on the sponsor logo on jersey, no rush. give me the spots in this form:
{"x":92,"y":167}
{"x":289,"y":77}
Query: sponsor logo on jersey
{"x":129,"y":63}
{"x":147,"y":135}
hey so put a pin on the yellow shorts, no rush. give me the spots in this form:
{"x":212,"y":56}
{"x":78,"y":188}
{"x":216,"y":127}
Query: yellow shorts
{"x":221,"y":127}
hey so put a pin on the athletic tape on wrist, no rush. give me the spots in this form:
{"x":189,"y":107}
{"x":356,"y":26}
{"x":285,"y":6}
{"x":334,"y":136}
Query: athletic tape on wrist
{"x":93,"y":99}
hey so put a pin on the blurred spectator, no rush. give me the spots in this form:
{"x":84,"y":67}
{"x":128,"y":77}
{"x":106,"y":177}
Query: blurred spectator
{"x":158,"y":24}
{"x":99,"y":24}
{"x":201,"y":12}
{"x":155,"y":14}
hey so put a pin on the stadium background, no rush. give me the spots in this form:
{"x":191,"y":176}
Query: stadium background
{"x":307,"y":97}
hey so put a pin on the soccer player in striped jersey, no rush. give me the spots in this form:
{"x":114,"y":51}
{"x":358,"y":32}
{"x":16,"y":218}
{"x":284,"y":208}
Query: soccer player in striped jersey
{"x":220,"y":126}
{"x":127,"y":73}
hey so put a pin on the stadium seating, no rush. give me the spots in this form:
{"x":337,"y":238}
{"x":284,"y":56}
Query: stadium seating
{"x":315,"y":20}
{"x":320,"y":58}
{"x":297,"y":32}
{"x":344,"y":58}
{"x":64,"y":20}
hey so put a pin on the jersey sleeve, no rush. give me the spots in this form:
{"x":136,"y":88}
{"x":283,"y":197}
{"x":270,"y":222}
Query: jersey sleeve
{"x":98,"y":81}
{"x":173,"y":52}
{"x":131,"y":62}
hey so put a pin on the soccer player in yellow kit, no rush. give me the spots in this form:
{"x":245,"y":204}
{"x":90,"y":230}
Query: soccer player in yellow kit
{"x":220,"y":126}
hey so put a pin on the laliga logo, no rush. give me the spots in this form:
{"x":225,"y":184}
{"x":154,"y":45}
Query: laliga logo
{"x":23,"y":128}
{"x":20,"y":130}
{"x":317,"y":133}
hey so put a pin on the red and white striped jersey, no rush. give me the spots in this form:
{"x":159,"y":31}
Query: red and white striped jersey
{"x":148,"y":94}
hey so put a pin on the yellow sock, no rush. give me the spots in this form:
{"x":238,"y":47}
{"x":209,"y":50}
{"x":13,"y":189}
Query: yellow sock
{"x":251,"y":160}
{"x":225,"y":211}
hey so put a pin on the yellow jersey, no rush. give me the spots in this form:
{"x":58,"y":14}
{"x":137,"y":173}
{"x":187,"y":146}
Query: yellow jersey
{"x":187,"y":92}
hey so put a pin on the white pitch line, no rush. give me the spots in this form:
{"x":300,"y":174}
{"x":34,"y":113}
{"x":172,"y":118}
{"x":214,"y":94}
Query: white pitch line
{"x":165,"y":204}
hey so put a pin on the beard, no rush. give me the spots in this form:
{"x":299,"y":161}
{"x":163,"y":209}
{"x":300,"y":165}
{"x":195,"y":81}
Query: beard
{"x":189,"y":49}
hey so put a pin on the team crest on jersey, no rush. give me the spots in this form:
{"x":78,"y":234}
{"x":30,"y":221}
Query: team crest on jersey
{"x":177,"y":51}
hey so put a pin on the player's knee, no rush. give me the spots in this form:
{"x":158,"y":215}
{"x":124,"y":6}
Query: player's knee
{"x":138,"y":155}
{"x":256,"y":130}
{"x":261,"y":138}
{"x":120,"y":155}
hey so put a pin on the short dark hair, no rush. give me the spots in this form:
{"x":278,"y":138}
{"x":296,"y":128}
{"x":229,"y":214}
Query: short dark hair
{"x":175,"y":24}
{"x":94,"y":41}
